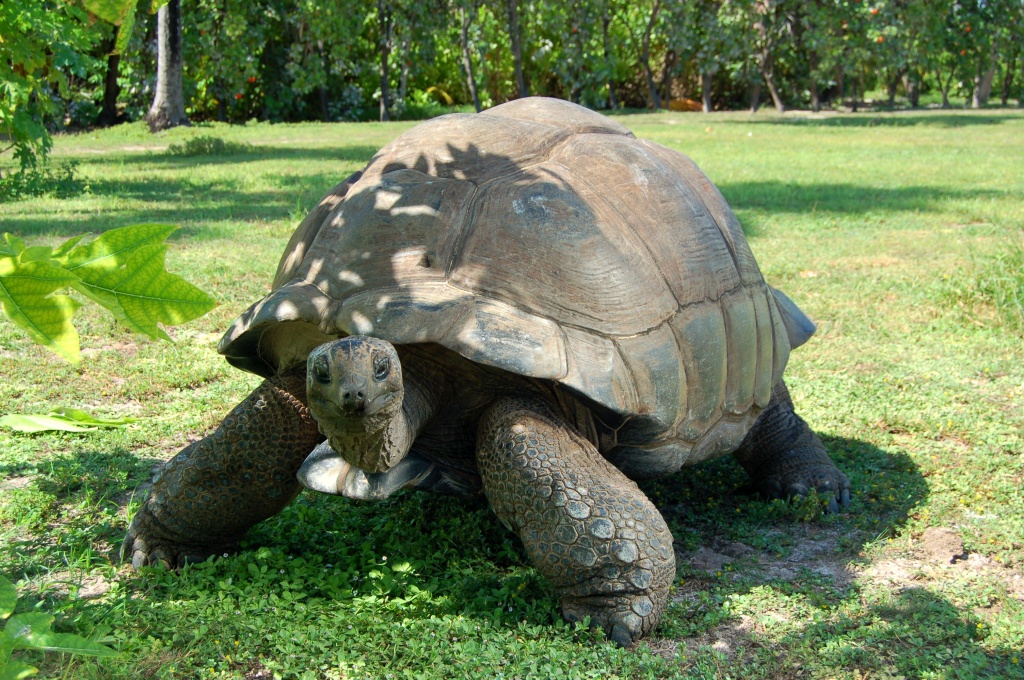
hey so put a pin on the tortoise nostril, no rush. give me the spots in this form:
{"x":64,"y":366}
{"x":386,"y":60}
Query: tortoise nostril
{"x":359,"y":395}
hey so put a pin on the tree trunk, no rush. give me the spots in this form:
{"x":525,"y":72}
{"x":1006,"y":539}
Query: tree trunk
{"x":645,"y":58}
{"x":755,"y":96}
{"x":384,"y":19}
{"x":665,"y":90}
{"x":853,"y":108}
{"x":111,"y":90}
{"x":943,"y":87}
{"x":1008,"y":74}
{"x":403,"y":69}
{"x":894,"y":84}
{"x":705,"y":91}
{"x":168,"y":109}
{"x":815,"y":91}
{"x":613,"y":101}
{"x":911,"y":81}
{"x":769,"y":80}
{"x":325,"y":102}
{"x":983,"y":83}
{"x":517,"y":52}
{"x":467,"y":60}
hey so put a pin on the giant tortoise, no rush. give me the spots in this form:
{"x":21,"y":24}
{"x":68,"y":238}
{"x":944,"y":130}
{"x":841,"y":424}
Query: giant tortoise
{"x":530,"y":303}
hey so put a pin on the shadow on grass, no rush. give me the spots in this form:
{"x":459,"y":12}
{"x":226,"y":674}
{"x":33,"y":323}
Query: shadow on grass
{"x":195,"y":207}
{"x":774,"y":196}
{"x":894,"y":119}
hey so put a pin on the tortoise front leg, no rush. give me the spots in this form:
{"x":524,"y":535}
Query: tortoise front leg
{"x":586,"y":526}
{"x":206,"y":498}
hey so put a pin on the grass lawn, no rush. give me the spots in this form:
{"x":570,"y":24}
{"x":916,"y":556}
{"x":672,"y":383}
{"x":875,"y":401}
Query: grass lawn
{"x":897,"y":233}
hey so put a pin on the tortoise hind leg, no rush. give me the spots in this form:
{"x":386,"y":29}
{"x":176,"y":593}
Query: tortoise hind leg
{"x":784,"y":458}
{"x":586,"y":526}
{"x":206,"y":497}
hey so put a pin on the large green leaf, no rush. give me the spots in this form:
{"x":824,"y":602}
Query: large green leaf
{"x":27,"y":292}
{"x":62,"y":419}
{"x":16,"y":670}
{"x":8,"y":597}
{"x":111,"y":11}
{"x":32,"y":631}
{"x":123,"y":270}
{"x":22,"y":627}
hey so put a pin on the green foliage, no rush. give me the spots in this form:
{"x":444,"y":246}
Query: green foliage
{"x":60,"y":181}
{"x":205,"y":145}
{"x":33,"y":631}
{"x":44,"y":43}
{"x":121,"y":270}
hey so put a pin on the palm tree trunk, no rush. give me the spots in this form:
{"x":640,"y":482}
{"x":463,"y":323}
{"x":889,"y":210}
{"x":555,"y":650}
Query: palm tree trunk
{"x":168,"y":109}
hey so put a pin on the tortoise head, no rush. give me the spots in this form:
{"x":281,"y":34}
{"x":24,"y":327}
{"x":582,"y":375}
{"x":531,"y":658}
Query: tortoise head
{"x":354,"y":387}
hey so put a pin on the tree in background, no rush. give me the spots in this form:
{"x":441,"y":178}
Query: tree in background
{"x":291,"y":60}
{"x":168,"y":109}
{"x":44,"y":43}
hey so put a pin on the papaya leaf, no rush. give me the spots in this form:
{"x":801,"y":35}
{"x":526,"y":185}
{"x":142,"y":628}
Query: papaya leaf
{"x":111,"y":249}
{"x":31,"y":423}
{"x":16,"y":670}
{"x":124,"y":31}
{"x":80,"y":416}
{"x":22,"y":627}
{"x":143,"y":293}
{"x":32,"y":631}
{"x":68,"y":643}
{"x":27,"y":293}
{"x":124,"y":271}
{"x":8,"y":597}
{"x":62,"y":419}
{"x":111,"y":11}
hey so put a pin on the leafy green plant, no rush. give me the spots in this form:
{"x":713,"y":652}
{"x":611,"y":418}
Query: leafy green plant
{"x":121,"y":270}
{"x":32,"y":631}
{"x":206,"y":145}
{"x":61,"y":181}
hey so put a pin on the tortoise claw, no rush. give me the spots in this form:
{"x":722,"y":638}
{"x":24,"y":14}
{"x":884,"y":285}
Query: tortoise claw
{"x":145,"y":546}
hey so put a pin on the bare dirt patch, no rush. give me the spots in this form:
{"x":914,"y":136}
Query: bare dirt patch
{"x":728,"y":638}
{"x":942,"y":545}
{"x":15,"y":483}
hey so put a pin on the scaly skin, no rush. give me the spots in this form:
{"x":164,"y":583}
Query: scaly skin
{"x":784,"y":458}
{"x":585,"y":525}
{"x":206,"y":498}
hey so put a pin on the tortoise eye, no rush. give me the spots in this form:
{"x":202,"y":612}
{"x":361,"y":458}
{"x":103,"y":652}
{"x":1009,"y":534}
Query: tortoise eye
{"x":381,"y":369}
{"x":321,"y":370}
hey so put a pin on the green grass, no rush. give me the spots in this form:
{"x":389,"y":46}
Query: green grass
{"x":886,"y":228}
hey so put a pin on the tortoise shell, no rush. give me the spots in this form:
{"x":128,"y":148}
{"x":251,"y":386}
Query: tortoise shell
{"x":545,"y":240}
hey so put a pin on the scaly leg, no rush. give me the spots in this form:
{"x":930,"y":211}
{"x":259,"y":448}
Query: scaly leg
{"x":785,"y":458}
{"x":206,"y":498}
{"x":585,"y":525}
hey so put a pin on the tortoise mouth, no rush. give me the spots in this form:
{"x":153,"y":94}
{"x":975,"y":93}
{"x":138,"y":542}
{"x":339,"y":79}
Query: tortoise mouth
{"x":379,"y":403}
